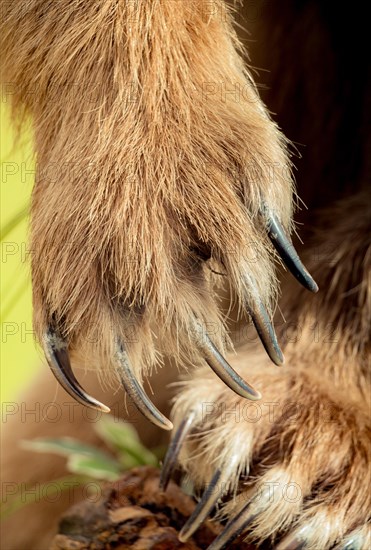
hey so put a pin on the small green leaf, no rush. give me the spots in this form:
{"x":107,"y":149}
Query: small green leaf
{"x":97,"y":468}
{"x":64,"y":446}
{"x":123,"y":438}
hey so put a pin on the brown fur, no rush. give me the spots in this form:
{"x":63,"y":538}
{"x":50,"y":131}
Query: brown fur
{"x":312,"y":428}
{"x":159,"y":168}
{"x":164,"y":172}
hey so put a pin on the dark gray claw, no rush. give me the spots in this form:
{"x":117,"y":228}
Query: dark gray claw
{"x":233,"y":529}
{"x":56,"y":353}
{"x":203,"y":508}
{"x":287,"y":252}
{"x":172,"y":454}
{"x":220,"y":366}
{"x":213,"y":492}
{"x":262,"y":323}
{"x":266,"y":332}
{"x":136,"y":392}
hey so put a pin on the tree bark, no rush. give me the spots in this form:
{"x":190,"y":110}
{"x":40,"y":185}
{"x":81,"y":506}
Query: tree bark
{"x":134,"y":513}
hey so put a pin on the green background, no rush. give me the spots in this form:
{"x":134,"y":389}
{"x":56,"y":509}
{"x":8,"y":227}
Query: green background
{"x":20,"y":356}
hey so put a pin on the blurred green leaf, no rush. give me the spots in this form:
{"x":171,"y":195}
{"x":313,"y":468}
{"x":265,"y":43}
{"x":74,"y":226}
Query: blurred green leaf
{"x":122,"y":438}
{"x":88,"y":461}
{"x":64,"y":446}
{"x":98,"y":468}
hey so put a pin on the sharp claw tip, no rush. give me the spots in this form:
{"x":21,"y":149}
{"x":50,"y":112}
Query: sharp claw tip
{"x":309,"y":283}
{"x":136,"y":392}
{"x":282,"y":243}
{"x":57,"y":357}
{"x":315,"y":287}
{"x":183,"y":537}
{"x":256,"y":397}
{"x":167,"y":425}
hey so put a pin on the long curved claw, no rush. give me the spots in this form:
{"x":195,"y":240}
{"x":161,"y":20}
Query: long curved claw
{"x":233,"y":529}
{"x":266,"y":332}
{"x":136,"y":392}
{"x":214,"y":492}
{"x":56,"y":353}
{"x":220,"y":366}
{"x":173,"y":451}
{"x":287,"y":252}
{"x":203,"y":508}
{"x":262,"y":323}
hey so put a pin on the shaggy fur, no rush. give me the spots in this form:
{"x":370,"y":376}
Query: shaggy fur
{"x":311,"y":432}
{"x":154,"y":155}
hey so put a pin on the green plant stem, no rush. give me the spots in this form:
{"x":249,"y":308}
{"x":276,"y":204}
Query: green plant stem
{"x":13,"y":222}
